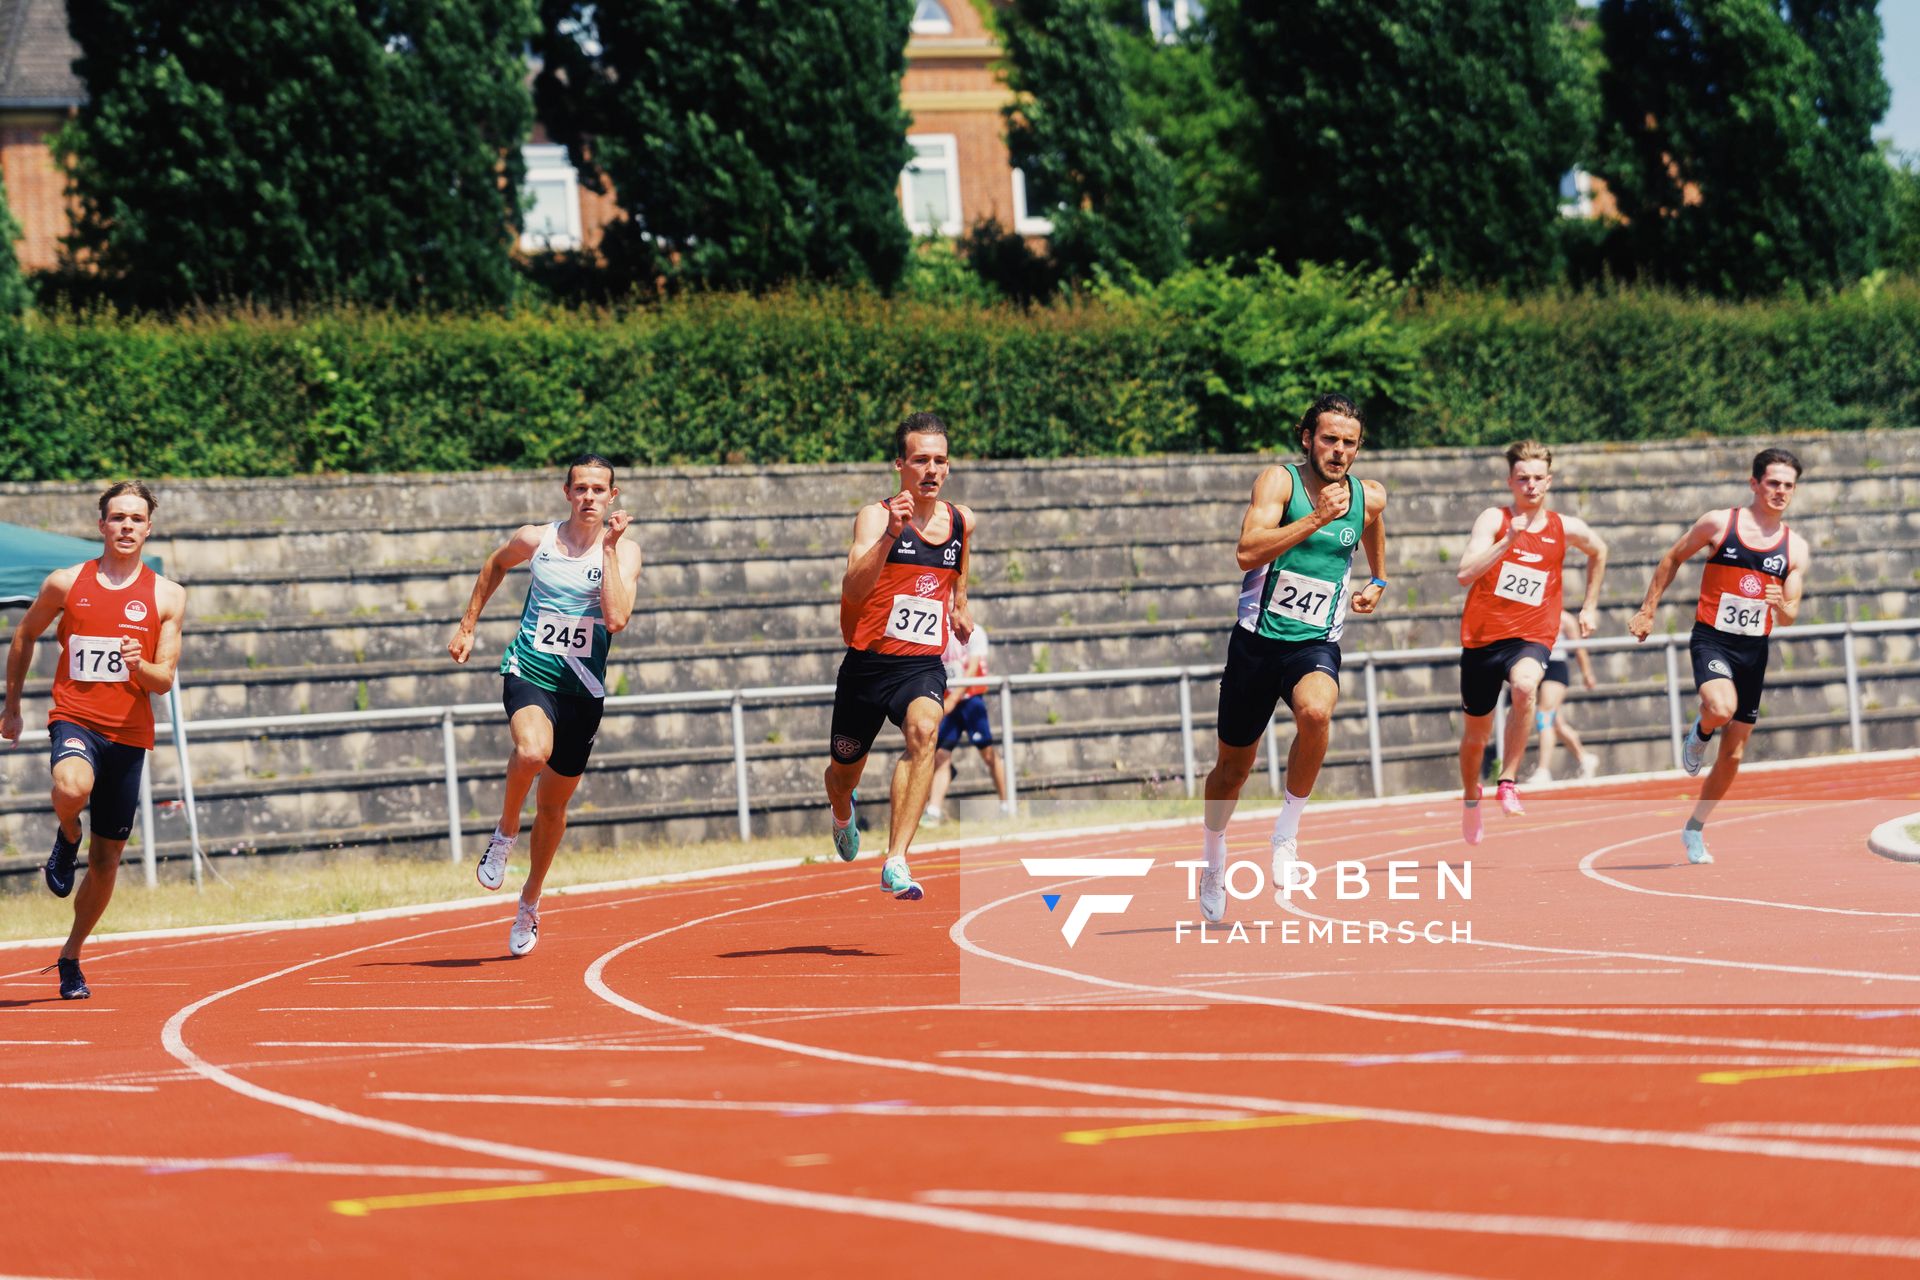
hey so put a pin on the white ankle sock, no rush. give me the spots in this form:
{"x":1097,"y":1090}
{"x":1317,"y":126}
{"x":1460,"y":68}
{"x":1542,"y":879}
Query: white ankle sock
{"x":1214,"y":844}
{"x":1287,"y":825}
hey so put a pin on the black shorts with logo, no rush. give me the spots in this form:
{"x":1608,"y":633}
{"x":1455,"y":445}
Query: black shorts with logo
{"x":1741,"y":659}
{"x":575,"y":720}
{"x":876,"y":687}
{"x":116,"y":776}
{"x":1261,"y":673}
{"x":1485,"y":669}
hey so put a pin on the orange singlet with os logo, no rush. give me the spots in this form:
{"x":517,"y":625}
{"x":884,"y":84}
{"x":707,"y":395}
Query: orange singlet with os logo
{"x":1733,"y":586}
{"x":907,"y":611}
{"x":93,"y":687}
{"x":1518,"y":598}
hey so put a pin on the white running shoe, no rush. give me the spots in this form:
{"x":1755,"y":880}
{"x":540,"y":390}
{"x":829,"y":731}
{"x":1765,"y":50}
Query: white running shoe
{"x":1213,"y":895}
{"x":1590,"y":764}
{"x":932,"y":818}
{"x":1286,"y":851}
{"x":1539,"y":775}
{"x":526,"y":929}
{"x":492,"y":871}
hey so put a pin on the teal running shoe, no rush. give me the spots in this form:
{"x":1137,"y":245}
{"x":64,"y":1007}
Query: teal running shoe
{"x":898,"y":881}
{"x":1696,"y":843}
{"x":1693,"y":751}
{"x":846,"y":840}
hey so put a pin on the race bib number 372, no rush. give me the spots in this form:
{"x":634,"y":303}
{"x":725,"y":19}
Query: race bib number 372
{"x":1740,"y":615}
{"x":917,"y":620}
{"x":95,"y":659}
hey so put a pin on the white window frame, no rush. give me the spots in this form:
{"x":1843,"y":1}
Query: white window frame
{"x":1024,"y":222}
{"x":548,"y":163}
{"x":941,"y":26}
{"x":1580,"y":204}
{"x":1183,"y":17}
{"x":950,"y":145}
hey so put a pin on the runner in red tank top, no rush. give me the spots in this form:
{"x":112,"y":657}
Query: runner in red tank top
{"x":904,"y":594}
{"x":1512,"y":570}
{"x":1753,"y":579}
{"x":119,"y":643}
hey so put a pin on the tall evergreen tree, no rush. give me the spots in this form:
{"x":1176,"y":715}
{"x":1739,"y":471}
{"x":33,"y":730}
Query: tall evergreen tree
{"x":13,"y":290}
{"x":365,"y":149}
{"x":748,"y":143}
{"x":1399,"y":131}
{"x":1089,"y":165}
{"x":1741,"y":149}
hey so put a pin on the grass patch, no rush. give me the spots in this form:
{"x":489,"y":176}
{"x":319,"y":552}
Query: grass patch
{"x":301,"y":887}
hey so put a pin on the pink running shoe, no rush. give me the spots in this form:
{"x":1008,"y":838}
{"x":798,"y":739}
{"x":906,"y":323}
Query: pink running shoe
{"x":1510,"y":800}
{"x":1470,"y":830}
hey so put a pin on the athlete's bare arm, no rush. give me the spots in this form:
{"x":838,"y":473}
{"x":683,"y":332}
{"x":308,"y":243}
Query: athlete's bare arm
{"x":40,"y":615}
{"x":1785,"y":596}
{"x":1581,"y":535}
{"x":156,"y":675}
{"x":1485,"y":546}
{"x":1263,"y":537}
{"x":619,"y":573}
{"x":1373,"y":537}
{"x":962,"y":610}
{"x":1570,"y":623}
{"x":518,"y":550}
{"x":875,"y":530}
{"x":1706,"y":531}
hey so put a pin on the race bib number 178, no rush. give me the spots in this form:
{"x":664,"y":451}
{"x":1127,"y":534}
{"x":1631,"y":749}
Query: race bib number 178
{"x":95,"y":659}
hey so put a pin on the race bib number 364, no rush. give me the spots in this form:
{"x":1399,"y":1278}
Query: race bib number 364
{"x":1305,"y":600}
{"x":1521,"y":584}
{"x":1740,"y":615}
{"x":917,"y":620}
{"x":95,"y":659}
{"x":563,"y":635}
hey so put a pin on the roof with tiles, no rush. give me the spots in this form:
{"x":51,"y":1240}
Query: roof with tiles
{"x":36,"y":56}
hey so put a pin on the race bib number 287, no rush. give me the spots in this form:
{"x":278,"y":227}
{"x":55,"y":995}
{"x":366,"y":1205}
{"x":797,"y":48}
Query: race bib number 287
{"x":1521,"y":584}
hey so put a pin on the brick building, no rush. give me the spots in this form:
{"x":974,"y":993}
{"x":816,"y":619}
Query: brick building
{"x":38,"y":91}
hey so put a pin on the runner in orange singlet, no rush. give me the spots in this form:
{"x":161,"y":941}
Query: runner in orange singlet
{"x":119,"y":643}
{"x":1512,"y":569}
{"x":1754,"y":577}
{"x":904,"y":594}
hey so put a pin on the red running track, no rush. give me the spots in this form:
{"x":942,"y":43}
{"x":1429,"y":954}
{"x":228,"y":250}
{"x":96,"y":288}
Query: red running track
{"x":1636,"y":1068}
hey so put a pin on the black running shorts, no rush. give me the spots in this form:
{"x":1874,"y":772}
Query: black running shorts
{"x":876,"y":687}
{"x":1261,"y":673}
{"x":1485,"y":669}
{"x":1558,"y":672}
{"x":116,"y":776}
{"x":575,"y":720}
{"x":1741,"y":659}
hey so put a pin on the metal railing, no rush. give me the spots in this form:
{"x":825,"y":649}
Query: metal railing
{"x":737,"y":700}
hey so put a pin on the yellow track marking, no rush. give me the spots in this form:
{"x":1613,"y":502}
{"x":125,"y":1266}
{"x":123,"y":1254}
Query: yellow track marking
{"x":1782,"y":1073}
{"x":478,"y":1195}
{"x":1094,"y":1137}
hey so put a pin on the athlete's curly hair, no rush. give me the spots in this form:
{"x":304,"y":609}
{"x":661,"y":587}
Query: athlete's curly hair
{"x":1332,"y":402}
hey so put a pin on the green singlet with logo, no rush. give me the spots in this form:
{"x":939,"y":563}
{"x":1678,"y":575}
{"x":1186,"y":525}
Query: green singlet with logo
{"x":563,"y":640}
{"x":1302,"y":595}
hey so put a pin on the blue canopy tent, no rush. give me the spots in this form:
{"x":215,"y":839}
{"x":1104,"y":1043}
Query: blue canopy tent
{"x":27,"y":556}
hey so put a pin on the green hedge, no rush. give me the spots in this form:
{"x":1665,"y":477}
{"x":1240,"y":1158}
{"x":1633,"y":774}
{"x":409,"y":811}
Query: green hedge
{"x":1204,"y":361}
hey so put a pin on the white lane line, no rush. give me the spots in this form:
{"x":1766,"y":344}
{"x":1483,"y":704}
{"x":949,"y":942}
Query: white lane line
{"x":1064,"y":1235}
{"x":969,"y":1008}
{"x":849,"y":975}
{"x":79,"y":1087}
{"x":1699,"y":1011}
{"x":1849,"y":1132}
{"x":958,"y":932}
{"x":1610,"y":1231}
{"x":458,"y":1046}
{"x":402,"y":982}
{"x":1435,"y":1058}
{"x":808,"y":1109}
{"x":267,"y":1164}
{"x":1480,"y":1126}
{"x":400,"y":1008}
{"x":43,"y":1042}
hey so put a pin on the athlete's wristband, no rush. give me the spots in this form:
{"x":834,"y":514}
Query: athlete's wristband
{"x":1376,"y":582}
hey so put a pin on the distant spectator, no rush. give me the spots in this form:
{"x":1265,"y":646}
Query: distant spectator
{"x":965,"y":721}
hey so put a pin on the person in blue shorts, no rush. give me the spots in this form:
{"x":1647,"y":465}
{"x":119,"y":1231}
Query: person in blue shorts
{"x":965,"y":722}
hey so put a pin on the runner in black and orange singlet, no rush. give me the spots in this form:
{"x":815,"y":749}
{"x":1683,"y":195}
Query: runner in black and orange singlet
{"x":119,"y":643}
{"x":904,"y":594}
{"x":1753,"y":579}
{"x":1512,"y":570}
